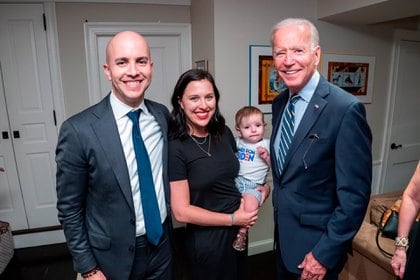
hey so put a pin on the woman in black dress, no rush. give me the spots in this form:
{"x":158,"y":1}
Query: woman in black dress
{"x":202,"y":169}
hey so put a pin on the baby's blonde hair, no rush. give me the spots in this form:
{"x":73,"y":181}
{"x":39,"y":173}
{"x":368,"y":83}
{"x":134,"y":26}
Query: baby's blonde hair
{"x":245,"y":112}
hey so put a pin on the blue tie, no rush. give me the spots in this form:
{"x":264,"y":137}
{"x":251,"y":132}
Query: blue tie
{"x":287,"y":130}
{"x":149,"y":202}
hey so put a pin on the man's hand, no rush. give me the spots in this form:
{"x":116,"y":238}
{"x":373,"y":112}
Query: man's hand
{"x":97,"y":276}
{"x":265,"y":192}
{"x":311,"y":268}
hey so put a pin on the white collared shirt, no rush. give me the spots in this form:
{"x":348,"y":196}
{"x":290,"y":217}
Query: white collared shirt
{"x":153,"y":140}
{"x":305,"y":96}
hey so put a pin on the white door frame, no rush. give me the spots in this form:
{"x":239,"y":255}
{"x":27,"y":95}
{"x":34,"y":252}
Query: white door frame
{"x":399,"y":35}
{"x":94,"y":30}
{"x":54,"y":60}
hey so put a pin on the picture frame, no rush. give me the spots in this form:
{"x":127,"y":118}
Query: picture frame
{"x":201,"y":64}
{"x":353,"y":73}
{"x":264,"y":83}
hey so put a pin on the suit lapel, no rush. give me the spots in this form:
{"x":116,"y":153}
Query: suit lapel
{"x":161,"y":119}
{"x":315,"y":107}
{"x":278,"y":107}
{"x":108,"y":137}
{"x":277,"y":119}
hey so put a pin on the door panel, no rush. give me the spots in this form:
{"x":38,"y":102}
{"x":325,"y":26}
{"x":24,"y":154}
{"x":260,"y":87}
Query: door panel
{"x":12,"y":208}
{"x":405,"y":130}
{"x":28,"y":96}
{"x":166,"y":57}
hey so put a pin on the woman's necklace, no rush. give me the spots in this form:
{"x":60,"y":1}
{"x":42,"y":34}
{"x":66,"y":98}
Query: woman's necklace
{"x":203,"y":142}
{"x":199,"y":143}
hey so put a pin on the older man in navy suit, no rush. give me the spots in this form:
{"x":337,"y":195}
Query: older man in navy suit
{"x":322,"y":162}
{"x":100,"y":180}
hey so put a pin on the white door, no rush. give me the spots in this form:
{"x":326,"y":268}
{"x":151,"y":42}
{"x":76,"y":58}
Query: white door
{"x":170,"y":52}
{"x":11,"y":201}
{"x":404,"y":145}
{"x":30,"y":112}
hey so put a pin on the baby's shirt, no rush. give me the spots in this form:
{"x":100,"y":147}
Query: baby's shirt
{"x":252,"y":166}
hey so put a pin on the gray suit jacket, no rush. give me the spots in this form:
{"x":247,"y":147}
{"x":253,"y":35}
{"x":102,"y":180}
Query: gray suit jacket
{"x":321,"y":197}
{"x":95,"y":204}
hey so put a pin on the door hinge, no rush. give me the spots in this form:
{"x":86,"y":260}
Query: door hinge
{"x":44,"y":19}
{"x":55,"y":118}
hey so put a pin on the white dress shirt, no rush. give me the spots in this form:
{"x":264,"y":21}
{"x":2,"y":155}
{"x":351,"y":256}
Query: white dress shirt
{"x":153,"y":140}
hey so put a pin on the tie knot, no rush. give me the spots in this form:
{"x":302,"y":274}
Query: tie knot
{"x":134,"y":115}
{"x":294,"y":99}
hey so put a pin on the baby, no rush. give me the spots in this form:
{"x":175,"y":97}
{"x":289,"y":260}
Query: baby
{"x":254,"y":160}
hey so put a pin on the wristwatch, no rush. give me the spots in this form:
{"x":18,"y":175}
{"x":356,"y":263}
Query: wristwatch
{"x":401,"y":241}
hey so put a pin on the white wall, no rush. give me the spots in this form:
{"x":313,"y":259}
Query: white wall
{"x":332,"y":7}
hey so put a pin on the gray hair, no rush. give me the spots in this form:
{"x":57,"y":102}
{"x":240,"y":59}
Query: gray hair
{"x":297,"y":21}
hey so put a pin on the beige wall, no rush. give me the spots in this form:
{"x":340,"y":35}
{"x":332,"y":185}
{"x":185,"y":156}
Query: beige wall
{"x":70,"y":20}
{"x":202,"y":26}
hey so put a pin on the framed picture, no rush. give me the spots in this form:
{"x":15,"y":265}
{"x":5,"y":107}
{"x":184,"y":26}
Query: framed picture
{"x":264,"y":83}
{"x":352,"y":73}
{"x":201,"y":64}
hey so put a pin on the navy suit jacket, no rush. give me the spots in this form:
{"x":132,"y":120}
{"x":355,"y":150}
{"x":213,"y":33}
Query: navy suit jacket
{"x":95,"y":202}
{"x":321,"y":197}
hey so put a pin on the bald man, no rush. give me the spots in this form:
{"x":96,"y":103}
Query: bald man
{"x":99,"y":199}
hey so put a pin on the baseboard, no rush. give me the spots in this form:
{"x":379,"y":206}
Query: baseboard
{"x":260,"y":246}
{"x":38,"y":239}
{"x":57,"y":236}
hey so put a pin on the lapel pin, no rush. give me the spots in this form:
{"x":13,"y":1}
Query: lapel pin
{"x":316,"y":106}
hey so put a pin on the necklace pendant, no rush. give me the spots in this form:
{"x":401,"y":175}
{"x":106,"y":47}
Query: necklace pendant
{"x":199,"y":145}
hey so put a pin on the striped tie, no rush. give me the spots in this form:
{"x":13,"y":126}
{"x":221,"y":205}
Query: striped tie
{"x":287,"y":132}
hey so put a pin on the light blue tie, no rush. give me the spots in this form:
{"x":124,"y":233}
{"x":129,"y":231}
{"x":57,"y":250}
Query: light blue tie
{"x":287,"y":130}
{"x":149,"y":202}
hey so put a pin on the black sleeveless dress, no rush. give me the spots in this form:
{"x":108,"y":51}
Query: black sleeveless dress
{"x":412,"y":271}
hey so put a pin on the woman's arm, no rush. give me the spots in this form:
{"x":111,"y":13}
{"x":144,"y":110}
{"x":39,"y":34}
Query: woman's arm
{"x":184,"y":212}
{"x":410,"y":206}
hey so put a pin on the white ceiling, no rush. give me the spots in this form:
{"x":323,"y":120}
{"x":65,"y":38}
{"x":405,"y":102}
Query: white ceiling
{"x":370,"y":12}
{"x":339,"y":11}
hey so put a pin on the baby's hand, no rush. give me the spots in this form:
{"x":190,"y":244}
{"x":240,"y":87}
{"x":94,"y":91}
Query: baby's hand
{"x":264,"y":154}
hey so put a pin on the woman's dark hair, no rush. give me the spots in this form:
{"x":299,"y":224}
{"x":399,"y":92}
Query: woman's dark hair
{"x":178,"y":127}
